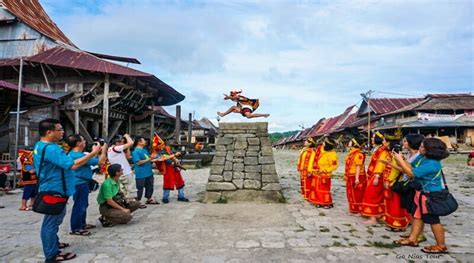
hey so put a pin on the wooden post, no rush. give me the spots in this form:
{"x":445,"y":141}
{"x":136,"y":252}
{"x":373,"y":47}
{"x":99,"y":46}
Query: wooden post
{"x":76,"y":121}
{"x":368,"y":124}
{"x":105,"y":113}
{"x":152,"y":122}
{"x":190,"y":128}
{"x":17,"y":124}
{"x":178,"y":125}
{"x":129,"y":129}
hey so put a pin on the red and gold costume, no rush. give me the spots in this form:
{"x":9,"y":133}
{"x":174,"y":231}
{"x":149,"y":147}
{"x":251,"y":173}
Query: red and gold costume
{"x":320,"y":193}
{"x":26,"y":158}
{"x":172,"y":178}
{"x":355,"y":193}
{"x":245,"y":104}
{"x":395,"y":216}
{"x":372,"y":204}
{"x":305,"y":167}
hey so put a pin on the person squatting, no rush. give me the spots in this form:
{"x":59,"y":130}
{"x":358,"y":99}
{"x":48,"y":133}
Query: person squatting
{"x":67,"y":169}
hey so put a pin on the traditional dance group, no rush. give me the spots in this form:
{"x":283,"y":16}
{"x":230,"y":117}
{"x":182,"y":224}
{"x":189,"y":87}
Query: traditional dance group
{"x":393,"y":188}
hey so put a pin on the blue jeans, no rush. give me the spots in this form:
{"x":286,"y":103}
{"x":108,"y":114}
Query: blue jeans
{"x":166,"y":193}
{"x":49,"y":234}
{"x":79,"y":210}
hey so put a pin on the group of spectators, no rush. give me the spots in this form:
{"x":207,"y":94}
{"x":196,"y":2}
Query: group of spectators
{"x":119,"y":195}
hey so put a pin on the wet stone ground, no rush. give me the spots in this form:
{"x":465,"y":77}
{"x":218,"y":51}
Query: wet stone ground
{"x":294,"y":231}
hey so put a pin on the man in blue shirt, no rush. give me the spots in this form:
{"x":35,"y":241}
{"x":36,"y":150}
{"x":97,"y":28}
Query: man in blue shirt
{"x":56,"y":163}
{"x":143,"y":171}
{"x":82,"y":175}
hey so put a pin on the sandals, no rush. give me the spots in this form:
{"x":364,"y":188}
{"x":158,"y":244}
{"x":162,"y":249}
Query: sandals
{"x":405,"y":242}
{"x":421,"y":238}
{"x":24,"y":208}
{"x":65,"y":256}
{"x":435,"y":249}
{"x":63,"y":245}
{"x":105,"y":223}
{"x":89,"y":226}
{"x":391,"y":229}
{"x":152,"y":202}
{"x":81,"y":232}
{"x":142,"y":206}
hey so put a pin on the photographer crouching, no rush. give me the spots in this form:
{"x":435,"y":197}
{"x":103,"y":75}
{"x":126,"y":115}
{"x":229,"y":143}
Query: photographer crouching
{"x":114,"y":207}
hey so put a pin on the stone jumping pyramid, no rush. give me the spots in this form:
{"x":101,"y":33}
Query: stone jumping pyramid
{"x":243,"y":168}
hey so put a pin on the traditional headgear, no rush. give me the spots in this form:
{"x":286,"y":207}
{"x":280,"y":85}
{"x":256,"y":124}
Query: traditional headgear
{"x":158,"y":143}
{"x":396,"y":136}
{"x":235,"y":93}
{"x":354,"y":142}
{"x":327,"y":140}
{"x":311,"y":140}
{"x":378,"y":134}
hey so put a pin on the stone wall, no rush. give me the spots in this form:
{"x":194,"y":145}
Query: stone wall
{"x":243,"y":168}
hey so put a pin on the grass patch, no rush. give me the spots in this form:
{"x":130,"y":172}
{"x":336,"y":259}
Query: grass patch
{"x":352,"y":230}
{"x":382,"y":244}
{"x":323,"y":229}
{"x":454,"y":245}
{"x":334,"y":236}
{"x":345,"y":238}
{"x":337,"y":244}
{"x":282,"y":200}
{"x":370,"y":231}
{"x":346,"y":224}
{"x":338,"y":229}
{"x":322,"y":214}
{"x":221,"y":200}
{"x":352,"y":244}
{"x":386,"y":237}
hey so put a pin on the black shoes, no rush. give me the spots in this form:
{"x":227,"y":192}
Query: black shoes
{"x":165,"y":201}
{"x":105,"y":223}
{"x":183,"y":199}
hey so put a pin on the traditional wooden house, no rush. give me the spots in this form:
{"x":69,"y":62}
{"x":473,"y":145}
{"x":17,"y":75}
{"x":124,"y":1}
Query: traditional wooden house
{"x":97,"y":97}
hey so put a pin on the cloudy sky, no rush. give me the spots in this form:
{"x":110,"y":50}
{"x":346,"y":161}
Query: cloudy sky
{"x":304,"y":59}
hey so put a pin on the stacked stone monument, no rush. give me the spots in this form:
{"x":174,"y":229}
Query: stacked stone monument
{"x":243,"y":168}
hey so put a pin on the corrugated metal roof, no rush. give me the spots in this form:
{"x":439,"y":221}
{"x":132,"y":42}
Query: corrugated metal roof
{"x":29,"y":98}
{"x":116,"y":58}
{"x":385,"y":105}
{"x":32,"y":13}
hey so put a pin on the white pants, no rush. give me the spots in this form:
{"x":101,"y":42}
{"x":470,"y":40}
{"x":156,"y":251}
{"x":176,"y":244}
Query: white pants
{"x":128,"y":185}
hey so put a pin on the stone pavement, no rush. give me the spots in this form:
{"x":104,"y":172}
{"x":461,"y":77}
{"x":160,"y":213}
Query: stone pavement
{"x":246,"y":232}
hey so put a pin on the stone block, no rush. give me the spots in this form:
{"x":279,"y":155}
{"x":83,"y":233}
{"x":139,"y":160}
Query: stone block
{"x":252,"y":184}
{"x":220,"y":186}
{"x":240,"y":145}
{"x":253,"y":169}
{"x":227,"y":176}
{"x":254,"y":196}
{"x":225,"y":141}
{"x":239,"y":183}
{"x":253,"y":141}
{"x":239,"y":153}
{"x":268,"y":169}
{"x":265,"y":141}
{"x":230,"y":156}
{"x":221,"y":148}
{"x":221,"y":154}
{"x":243,"y":126}
{"x":228,"y":166}
{"x":271,"y":187}
{"x":270,"y":178}
{"x":217,"y":169}
{"x":251,"y":154}
{"x":218,"y":160}
{"x":238,"y":160}
{"x":266,"y":160}
{"x":211,"y":197}
{"x":253,"y":176}
{"x":253,"y":148}
{"x":238,"y":175}
{"x":267,"y":151}
{"x":238,"y":167}
{"x":230,"y":147}
{"x":216,"y":178}
{"x":250,"y":160}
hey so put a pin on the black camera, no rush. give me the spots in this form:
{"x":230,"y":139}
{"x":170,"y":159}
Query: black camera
{"x":100,"y":141}
{"x":397,"y":148}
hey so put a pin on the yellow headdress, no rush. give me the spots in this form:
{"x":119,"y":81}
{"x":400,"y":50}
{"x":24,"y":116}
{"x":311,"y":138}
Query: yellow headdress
{"x":378,"y":134}
{"x":396,"y":136}
{"x":311,"y":140}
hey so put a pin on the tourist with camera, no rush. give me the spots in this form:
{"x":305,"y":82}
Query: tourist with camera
{"x":143,"y":171}
{"x":428,"y":175}
{"x":117,"y":154}
{"x":54,"y":168}
{"x":83,"y":177}
{"x":113,"y":206}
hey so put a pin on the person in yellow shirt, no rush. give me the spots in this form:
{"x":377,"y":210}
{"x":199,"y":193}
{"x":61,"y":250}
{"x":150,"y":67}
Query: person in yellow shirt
{"x":354,"y":176}
{"x":305,"y":165}
{"x":321,"y":183}
{"x":372,"y":203}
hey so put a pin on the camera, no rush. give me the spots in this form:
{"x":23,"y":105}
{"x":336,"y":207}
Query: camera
{"x":100,"y":141}
{"x":397,"y":148}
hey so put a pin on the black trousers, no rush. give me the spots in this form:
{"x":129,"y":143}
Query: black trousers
{"x":3,"y":180}
{"x":146,"y":183}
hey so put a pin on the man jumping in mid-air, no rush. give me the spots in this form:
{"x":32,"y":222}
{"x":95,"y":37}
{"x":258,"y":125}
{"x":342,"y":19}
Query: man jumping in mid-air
{"x":245,"y":106}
